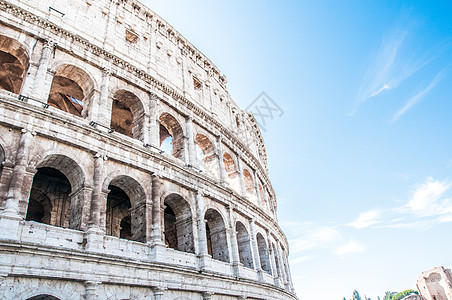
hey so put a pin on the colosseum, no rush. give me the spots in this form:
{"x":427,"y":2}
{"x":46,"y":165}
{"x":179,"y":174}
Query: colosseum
{"x":128,"y":172}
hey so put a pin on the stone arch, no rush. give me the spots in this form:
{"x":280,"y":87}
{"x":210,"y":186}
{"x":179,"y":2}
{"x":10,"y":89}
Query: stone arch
{"x":178,"y":223}
{"x":263,"y":253}
{"x":262,"y":196}
{"x":171,"y":129}
{"x":72,"y":90}
{"x":207,"y":158}
{"x":55,"y":196}
{"x":244,"y":245}
{"x":232,"y":173}
{"x":125,"y":215}
{"x":216,"y":236}
{"x":128,"y":114}
{"x":250,"y":189}
{"x":14,"y":62}
{"x":43,"y":297}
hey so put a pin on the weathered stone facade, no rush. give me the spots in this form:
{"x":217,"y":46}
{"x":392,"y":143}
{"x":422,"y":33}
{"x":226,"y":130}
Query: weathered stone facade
{"x":91,"y":207}
{"x":435,"y":284}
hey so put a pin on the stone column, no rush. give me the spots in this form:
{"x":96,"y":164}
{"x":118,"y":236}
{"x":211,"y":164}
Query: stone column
{"x":158,"y":247}
{"x":203,"y":253}
{"x":207,"y":295}
{"x":256,"y":185}
{"x":241,"y":178}
{"x":234,"y":245}
{"x":192,"y":159}
{"x":39,"y":86}
{"x":5,"y":180}
{"x":159,"y":292}
{"x":103,"y":110}
{"x":256,"y":257}
{"x":91,"y":290}
{"x":154,"y":128}
{"x":15,"y":194}
{"x":96,"y":226}
{"x":222,"y":168}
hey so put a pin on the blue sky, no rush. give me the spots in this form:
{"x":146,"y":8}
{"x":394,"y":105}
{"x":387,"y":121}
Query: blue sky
{"x":361,"y":159}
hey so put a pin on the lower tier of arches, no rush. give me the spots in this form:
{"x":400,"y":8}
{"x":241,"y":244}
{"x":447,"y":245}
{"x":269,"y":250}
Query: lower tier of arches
{"x":50,"y":273}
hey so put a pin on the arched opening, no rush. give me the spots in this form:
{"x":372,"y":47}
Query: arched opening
{"x":127,"y":114}
{"x":207,"y":160}
{"x":232,"y":174}
{"x":249,"y":185}
{"x":178,"y":224}
{"x":13,"y":64}
{"x":71,"y":90}
{"x":171,"y":135}
{"x":126,"y":212}
{"x":263,"y":254}
{"x":217,"y":243}
{"x":118,"y":210}
{"x":43,"y":297}
{"x":49,"y":200}
{"x":244,"y":245}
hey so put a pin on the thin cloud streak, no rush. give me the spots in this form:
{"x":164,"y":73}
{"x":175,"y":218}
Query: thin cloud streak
{"x":351,"y":247}
{"x":418,"y":97}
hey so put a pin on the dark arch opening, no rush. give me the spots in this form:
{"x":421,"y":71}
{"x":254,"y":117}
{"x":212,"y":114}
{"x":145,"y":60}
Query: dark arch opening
{"x":71,"y":90}
{"x":263,"y":254}
{"x":244,"y":245}
{"x":118,"y":213}
{"x":13,"y":64}
{"x":178,"y":224}
{"x":127,"y":114}
{"x":217,"y":244}
{"x":170,"y":130}
{"x":43,"y":297}
{"x":49,"y":200}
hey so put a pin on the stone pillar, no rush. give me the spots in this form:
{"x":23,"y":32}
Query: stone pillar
{"x":222,"y":168}
{"x":158,"y":247}
{"x":256,"y":185}
{"x":154,"y":128}
{"x":104,"y":105}
{"x":159,"y":292}
{"x":5,"y":180}
{"x":234,"y":245}
{"x":256,"y":257}
{"x":39,"y":90}
{"x":192,"y":159}
{"x":272,"y":257}
{"x":91,"y":290}
{"x":146,"y":129}
{"x":96,"y":225}
{"x":15,"y":193}
{"x":241,"y":178}
{"x":207,"y":295}
{"x":203,"y":253}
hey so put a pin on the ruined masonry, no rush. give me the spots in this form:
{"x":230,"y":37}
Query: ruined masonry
{"x":128,"y":172}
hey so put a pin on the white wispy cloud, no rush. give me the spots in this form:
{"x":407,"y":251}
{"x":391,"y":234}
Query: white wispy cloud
{"x":418,"y":97}
{"x":427,"y":204}
{"x":366,"y":219}
{"x":351,"y":247}
{"x":306,"y":236}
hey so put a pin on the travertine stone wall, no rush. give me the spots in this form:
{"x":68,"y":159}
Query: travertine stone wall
{"x":128,"y":172}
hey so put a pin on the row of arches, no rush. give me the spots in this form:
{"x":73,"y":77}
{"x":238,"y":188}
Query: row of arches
{"x":56,"y":194}
{"x":74,"y":91}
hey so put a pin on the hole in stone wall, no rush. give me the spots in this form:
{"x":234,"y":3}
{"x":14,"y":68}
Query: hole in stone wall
{"x":197,"y":84}
{"x":169,"y":127}
{"x":127,"y":115}
{"x":216,"y":235}
{"x":49,"y":201}
{"x":263,"y":253}
{"x":244,"y":245}
{"x":118,"y":214}
{"x":13,"y":64}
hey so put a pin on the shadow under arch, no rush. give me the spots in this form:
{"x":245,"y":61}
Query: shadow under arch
{"x":14,"y":62}
{"x":127,"y":114}
{"x":72,"y":90}
{"x":125,"y":215}
{"x":43,"y":297}
{"x":178,"y":223}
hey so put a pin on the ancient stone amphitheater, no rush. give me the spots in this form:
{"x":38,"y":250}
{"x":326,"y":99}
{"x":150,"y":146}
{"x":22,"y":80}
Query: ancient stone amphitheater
{"x":128,"y":172}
